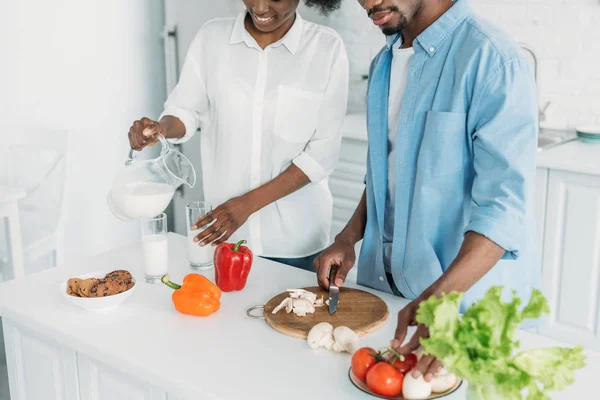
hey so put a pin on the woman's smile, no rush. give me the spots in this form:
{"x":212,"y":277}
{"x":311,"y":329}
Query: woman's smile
{"x":263,"y":20}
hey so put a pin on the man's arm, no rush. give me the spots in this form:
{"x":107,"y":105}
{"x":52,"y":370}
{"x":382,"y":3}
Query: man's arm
{"x":476,"y":257}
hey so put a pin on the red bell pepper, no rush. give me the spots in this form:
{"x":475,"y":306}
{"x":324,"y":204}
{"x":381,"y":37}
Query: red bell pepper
{"x":232,"y":265}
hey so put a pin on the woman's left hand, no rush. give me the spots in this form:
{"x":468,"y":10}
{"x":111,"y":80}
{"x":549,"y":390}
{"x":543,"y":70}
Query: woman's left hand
{"x":225,"y":219}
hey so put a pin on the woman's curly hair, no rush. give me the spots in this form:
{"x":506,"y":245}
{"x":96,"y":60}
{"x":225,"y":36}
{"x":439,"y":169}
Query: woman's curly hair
{"x":324,"y":6}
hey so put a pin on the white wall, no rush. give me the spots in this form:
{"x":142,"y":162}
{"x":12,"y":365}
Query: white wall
{"x":564,"y":33}
{"x":91,"y":67}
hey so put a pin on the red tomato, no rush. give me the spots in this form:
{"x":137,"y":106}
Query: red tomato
{"x":410,"y":361}
{"x":362,"y":360}
{"x":385,"y":380}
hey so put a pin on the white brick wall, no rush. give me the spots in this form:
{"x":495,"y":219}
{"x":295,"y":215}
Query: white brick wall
{"x":564,"y":33}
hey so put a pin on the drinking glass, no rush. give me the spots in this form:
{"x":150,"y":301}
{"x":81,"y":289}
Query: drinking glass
{"x":155,"y":247}
{"x":201,"y":258}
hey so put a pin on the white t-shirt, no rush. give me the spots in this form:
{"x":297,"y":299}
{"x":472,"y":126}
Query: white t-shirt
{"x":398,"y":80}
{"x":258,"y":112}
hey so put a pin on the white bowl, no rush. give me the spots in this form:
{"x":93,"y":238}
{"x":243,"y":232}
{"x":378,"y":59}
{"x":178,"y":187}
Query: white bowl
{"x":97,"y":303}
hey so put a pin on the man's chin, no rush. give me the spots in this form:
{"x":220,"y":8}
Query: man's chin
{"x":391,"y":30}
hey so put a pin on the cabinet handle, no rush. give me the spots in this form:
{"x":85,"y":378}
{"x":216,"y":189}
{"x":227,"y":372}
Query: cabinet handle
{"x":171,"y":56}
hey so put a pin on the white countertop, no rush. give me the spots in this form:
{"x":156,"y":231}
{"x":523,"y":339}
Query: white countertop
{"x":224,"y":356}
{"x":576,"y":156}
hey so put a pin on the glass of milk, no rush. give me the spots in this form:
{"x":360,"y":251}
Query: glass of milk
{"x":201,"y":258}
{"x":155,"y":247}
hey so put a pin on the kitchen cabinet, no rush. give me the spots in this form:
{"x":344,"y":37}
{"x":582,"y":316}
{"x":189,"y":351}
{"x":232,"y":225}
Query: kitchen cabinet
{"x":98,"y":381}
{"x":571,"y":258}
{"x":347,"y":181}
{"x":38,"y":368}
{"x":539,"y":200}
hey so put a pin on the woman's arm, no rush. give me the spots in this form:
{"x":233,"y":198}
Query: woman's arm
{"x":234,"y":213}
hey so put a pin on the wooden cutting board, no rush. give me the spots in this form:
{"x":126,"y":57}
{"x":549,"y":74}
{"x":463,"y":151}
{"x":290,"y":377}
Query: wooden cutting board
{"x":360,"y":311}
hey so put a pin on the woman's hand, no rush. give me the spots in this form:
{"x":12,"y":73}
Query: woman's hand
{"x":143,"y":133}
{"x":228,"y":218}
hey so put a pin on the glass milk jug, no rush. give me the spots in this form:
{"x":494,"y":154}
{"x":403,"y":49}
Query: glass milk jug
{"x":144,"y":188}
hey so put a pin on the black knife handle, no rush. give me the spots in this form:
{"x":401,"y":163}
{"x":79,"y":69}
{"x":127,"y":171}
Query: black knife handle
{"x":333,"y":270}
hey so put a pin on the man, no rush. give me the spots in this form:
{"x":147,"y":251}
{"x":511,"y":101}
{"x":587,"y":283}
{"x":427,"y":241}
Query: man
{"x":452,"y":123}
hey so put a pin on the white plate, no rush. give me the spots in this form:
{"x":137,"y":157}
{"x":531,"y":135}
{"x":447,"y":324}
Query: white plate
{"x":363,"y":386}
{"x":589,"y":130}
{"x":97,"y":303}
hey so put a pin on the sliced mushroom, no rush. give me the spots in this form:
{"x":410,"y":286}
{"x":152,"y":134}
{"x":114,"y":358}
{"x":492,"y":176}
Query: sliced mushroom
{"x":302,"y":307}
{"x":297,"y":293}
{"x":308,"y":296}
{"x":289,"y":306}
{"x":285,"y":303}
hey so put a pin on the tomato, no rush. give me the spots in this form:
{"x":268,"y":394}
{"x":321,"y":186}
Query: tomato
{"x":385,"y":380}
{"x":362,"y":360}
{"x":410,"y":361}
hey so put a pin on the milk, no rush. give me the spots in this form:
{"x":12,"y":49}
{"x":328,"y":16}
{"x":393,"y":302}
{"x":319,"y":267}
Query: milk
{"x":156,"y":255}
{"x":143,"y":199}
{"x":199,"y":256}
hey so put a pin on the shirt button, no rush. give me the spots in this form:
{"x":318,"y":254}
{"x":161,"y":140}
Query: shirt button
{"x":431,"y":49}
{"x":381,"y":278}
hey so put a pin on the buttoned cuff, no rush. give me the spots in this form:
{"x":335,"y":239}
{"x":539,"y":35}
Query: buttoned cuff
{"x":506,"y":235}
{"x":188,"y":121}
{"x":310,"y":167}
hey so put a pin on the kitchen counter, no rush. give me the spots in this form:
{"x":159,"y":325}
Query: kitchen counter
{"x":576,"y":156}
{"x":224,"y":356}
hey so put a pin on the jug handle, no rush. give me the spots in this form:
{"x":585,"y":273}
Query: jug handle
{"x":132,"y":158}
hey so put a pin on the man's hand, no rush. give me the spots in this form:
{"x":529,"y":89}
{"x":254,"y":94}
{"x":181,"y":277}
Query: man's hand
{"x":227,"y":218}
{"x":341,"y":253}
{"x":476,"y":257}
{"x":427,"y":365}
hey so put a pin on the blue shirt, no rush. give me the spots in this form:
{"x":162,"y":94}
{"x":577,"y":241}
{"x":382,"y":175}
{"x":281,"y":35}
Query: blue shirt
{"x":465,"y":159}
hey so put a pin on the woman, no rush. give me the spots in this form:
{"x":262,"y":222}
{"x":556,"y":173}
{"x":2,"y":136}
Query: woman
{"x":268,"y":92}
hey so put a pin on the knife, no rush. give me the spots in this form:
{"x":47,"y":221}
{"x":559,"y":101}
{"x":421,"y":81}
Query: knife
{"x":334,"y":291}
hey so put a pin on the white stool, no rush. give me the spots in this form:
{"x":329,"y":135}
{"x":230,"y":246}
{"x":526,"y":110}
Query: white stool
{"x":9,"y":211}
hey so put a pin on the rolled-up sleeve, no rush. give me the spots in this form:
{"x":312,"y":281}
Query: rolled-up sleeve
{"x":320,"y":156}
{"x":189,"y":100}
{"x":504,"y":115}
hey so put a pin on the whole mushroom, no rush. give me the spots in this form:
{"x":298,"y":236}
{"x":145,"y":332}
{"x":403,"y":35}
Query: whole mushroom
{"x":416,"y":388}
{"x":443,"y":381}
{"x":345,"y":340}
{"x":321,"y":335}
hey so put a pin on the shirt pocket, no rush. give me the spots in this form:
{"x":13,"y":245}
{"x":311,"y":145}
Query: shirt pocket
{"x":297,"y":114}
{"x":444,"y":146}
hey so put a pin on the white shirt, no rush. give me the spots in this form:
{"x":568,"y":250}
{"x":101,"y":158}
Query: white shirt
{"x":258,"y":112}
{"x":398,"y":80}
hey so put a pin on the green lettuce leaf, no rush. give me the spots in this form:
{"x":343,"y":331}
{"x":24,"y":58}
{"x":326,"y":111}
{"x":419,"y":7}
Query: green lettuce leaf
{"x":480,"y":346}
{"x":553,"y":367}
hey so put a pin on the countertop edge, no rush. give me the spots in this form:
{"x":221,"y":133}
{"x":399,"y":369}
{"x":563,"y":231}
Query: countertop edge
{"x":121,"y":364}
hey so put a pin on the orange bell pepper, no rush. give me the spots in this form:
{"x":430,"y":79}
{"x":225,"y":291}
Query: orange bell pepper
{"x":196,"y":296}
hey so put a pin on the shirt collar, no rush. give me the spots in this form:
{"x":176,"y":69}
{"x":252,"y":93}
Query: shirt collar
{"x":391,"y":40}
{"x":437,"y":33}
{"x":291,"y":40}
